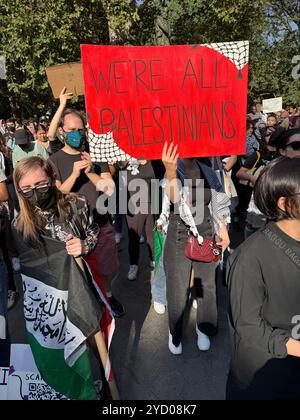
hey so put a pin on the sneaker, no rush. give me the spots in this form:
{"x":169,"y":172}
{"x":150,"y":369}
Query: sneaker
{"x":16,"y":264}
{"x":159,"y":308}
{"x":195,"y":304}
{"x":116,"y":307}
{"x":118,"y":238}
{"x":174,"y":349}
{"x":142,"y":239}
{"x":203,"y":340}
{"x":12,"y":298}
{"x":132,"y":273}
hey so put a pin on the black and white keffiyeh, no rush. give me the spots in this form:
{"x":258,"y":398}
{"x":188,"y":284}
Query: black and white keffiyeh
{"x":219,"y":206}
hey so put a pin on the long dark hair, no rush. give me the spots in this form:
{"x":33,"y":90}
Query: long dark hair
{"x":3,"y":146}
{"x":281,"y":178}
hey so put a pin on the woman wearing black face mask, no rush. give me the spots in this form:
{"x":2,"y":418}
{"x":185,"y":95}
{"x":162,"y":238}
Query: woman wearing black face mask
{"x":44,"y":210}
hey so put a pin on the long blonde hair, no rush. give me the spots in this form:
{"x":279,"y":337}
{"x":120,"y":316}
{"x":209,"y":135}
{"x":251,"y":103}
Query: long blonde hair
{"x":29,"y":223}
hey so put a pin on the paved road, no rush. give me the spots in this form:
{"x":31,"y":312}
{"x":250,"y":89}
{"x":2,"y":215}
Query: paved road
{"x":143,"y":365}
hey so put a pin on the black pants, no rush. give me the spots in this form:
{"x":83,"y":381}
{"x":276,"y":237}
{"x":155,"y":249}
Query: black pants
{"x":244,"y":193}
{"x":278,"y":380}
{"x":4,"y":344}
{"x":10,"y":271}
{"x":136,"y":225}
{"x":9,"y":250}
{"x":178,"y":273}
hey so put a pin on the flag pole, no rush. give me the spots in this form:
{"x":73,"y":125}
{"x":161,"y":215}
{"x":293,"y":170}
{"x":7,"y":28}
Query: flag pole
{"x":102,"y":350}
{"x":103,"y":353}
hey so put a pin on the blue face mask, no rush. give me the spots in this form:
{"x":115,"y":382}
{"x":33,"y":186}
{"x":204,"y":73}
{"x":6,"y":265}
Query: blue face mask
{"x":75,"y":139}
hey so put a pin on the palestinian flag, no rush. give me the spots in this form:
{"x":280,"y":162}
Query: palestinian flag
{"x":107,"y":322}
{"x":61,"y":312}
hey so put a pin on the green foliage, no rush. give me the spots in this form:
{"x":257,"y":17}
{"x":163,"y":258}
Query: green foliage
{"x":121,"y":15}
{"x":36,"y":34}
{"x":272,"y":27}
{"x":214,"y":21}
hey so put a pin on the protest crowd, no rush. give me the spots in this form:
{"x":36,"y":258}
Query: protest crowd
{"x":49,"y":205}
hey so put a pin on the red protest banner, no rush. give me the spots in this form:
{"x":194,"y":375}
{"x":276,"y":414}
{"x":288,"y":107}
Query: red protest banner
{"x":195,"y":96}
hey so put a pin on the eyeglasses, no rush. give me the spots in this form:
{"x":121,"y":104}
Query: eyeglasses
{"x":295,"y":145}
{"x":41,"y":188}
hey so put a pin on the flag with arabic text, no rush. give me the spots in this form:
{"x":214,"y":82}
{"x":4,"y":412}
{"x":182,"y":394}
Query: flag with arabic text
{"x":61,"y":312}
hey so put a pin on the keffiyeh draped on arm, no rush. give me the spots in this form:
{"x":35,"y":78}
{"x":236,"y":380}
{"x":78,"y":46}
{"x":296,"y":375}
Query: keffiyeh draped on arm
{"x":219,"y":206}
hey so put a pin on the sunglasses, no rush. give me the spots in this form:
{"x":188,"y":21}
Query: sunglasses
{"x":295,"y":145}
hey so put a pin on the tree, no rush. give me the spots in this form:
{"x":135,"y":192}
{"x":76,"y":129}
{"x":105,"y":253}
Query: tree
{"x":272,"y":27}
{"x":272,"y":56}
{"x":38,"y":34}
{"x":121,"y":15}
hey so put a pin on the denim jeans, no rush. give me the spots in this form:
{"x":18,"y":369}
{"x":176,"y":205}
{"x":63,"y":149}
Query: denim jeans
{"x":159,"y":287}
{"x":178,"y":273}
{"x":4,"y":338}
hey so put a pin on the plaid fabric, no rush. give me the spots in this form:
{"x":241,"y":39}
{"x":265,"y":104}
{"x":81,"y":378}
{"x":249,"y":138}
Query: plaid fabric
{"x":184,"y":212}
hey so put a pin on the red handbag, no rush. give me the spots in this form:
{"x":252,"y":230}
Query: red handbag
{"x":207,"y":252}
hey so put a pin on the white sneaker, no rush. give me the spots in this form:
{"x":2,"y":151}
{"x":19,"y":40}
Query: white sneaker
{"x":16,"y":264}
{"x":203,"y":341}
{"x":118,"y":238}
{"x":159,"y":308}
{"x":195,"y":304}
{"x":142,"y":239}
{"x":132,"y":273}
{"x":174,"y":349}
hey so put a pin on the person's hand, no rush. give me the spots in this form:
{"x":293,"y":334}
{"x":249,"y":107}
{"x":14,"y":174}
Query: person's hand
{"x":64,"y":97}
{"x":223,"y":240}
{"x":73,"y":246}
{"x":78,"y":167}
{"x":159,"y":228}
{"x":87,"y":158}
{"x":253,"y":180}
{"x":169,"y":158}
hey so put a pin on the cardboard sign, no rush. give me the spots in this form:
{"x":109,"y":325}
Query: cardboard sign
{"x":69,"y":75}
{"x":272,"y":105}
{"x":195,"y":96}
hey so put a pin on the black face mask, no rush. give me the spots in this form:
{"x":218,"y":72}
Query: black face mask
{"x":43,"y":198}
